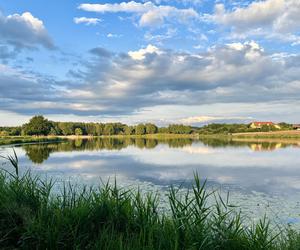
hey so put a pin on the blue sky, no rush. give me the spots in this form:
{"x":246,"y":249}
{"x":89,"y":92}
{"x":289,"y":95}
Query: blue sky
{"x":163,"y":61}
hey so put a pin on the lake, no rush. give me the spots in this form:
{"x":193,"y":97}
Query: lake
{"x":261,"y":177}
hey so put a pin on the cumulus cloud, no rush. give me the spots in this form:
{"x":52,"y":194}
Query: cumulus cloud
{"x":256,"y":14}
{"x":118,"y":84}
{"x":142,"y":53}
{"x":24,"y":30}
{"x":149,"y":13}
{"x":86,"y":20}
{"x":271,"y":19}
{"x":200,"y":120}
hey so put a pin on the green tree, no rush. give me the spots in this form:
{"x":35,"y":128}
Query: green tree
{"x":37,"y":125}
{"x":179,"y":129}
{"x":129,"y":130}
{"x":67,"y":128}
{"x":109,"y":129}
{"x":151,"y":128}
{"x":4,"y":133}
{"x":140,"y":129}
{"x":99,"y":129}
{"x":78,"y":131}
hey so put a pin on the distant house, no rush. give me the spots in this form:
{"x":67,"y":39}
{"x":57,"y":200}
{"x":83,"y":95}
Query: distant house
{"x":259,"y":125}
{"x":296,"y":126}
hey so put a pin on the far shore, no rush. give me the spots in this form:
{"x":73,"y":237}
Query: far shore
{"x":288,"y":135}
{"x":73,"y":137}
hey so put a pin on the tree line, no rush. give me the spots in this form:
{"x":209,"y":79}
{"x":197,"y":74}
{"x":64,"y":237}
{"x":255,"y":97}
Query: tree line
{"x":224,"y":128}
{"x":40,"y":126}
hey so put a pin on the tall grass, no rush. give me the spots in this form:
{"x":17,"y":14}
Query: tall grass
{"x":32,"y":216}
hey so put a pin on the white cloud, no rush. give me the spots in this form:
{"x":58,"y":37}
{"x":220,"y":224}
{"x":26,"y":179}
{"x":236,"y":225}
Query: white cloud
{"x":149,"y":13}
{"x":86,"y":20}
{"x":205,"y":119}
{"x":268,"y":18}
{"x":118,"y":84}
{"x":24,"y":31}
{"x":111,"y":35}
{"x":140,"y":54}
{"x":255,"y":14}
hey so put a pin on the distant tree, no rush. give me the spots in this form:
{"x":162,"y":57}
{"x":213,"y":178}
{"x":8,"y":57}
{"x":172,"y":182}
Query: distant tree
{"x":15,"y":131}
{"x":90,"y":128}
{"x":4,"y":133}
{"x":151,"y":128}
{"x":109,"y":129}
{"x":140,"y":129}
{"x":179,"y":129}
{"x":37,"y":125}
{"x":78,"y":131}
{"x":119,"y":128}
{"x":99,"y":129}
{"x":67,"y":128}
{"x":163,"y":130}
{"x":55,"y":130}
{"x":285,"y":126}
{"x":129,"y":130}
{"x":265,"y":128}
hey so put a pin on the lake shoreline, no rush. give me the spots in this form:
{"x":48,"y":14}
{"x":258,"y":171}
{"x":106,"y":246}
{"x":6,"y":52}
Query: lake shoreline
{"x":275,"y":136}
{"x":40,"y":139}
{"x":287,"y":134}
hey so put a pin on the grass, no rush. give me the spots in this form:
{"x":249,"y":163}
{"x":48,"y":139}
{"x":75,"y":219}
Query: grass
{"x":13,"y":140}
{"x":32,"y":216}
{"x":288,"y":134}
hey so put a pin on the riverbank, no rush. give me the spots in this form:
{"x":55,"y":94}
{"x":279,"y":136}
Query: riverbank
{"x":287,"y":134}
{"x":8,"y":140}
{"x":34,"y":217}
{"x":290,"y":136}
{"x":16,"y":140}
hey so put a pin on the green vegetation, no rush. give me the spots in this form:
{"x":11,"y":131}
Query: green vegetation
{"x":39,"y":126}
{"x":26,"y":139}
{"x":35,"y":217}
{"x":269,"y":135}
{"x":225,"y":129}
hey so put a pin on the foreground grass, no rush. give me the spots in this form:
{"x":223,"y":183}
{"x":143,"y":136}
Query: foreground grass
{"x":33,"y":217}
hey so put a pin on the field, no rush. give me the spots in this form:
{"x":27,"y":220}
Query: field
{"x":274,"y":134}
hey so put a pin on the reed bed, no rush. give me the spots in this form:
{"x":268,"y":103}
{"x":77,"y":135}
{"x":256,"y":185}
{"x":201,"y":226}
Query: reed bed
{"x":32,"y":216}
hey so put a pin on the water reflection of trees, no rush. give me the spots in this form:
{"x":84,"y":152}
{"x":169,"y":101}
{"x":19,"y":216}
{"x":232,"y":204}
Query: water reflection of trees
{"x":254,"y":145}
{"x":38,"y":153}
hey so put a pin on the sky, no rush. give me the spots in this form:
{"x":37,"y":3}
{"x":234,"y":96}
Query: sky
{"x":163,"y":61}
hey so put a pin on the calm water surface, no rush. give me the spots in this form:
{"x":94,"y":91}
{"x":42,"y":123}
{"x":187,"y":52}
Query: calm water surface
{"x":260,"y":177}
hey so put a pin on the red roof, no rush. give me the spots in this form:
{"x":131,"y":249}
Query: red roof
{"x":263,"y":123}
